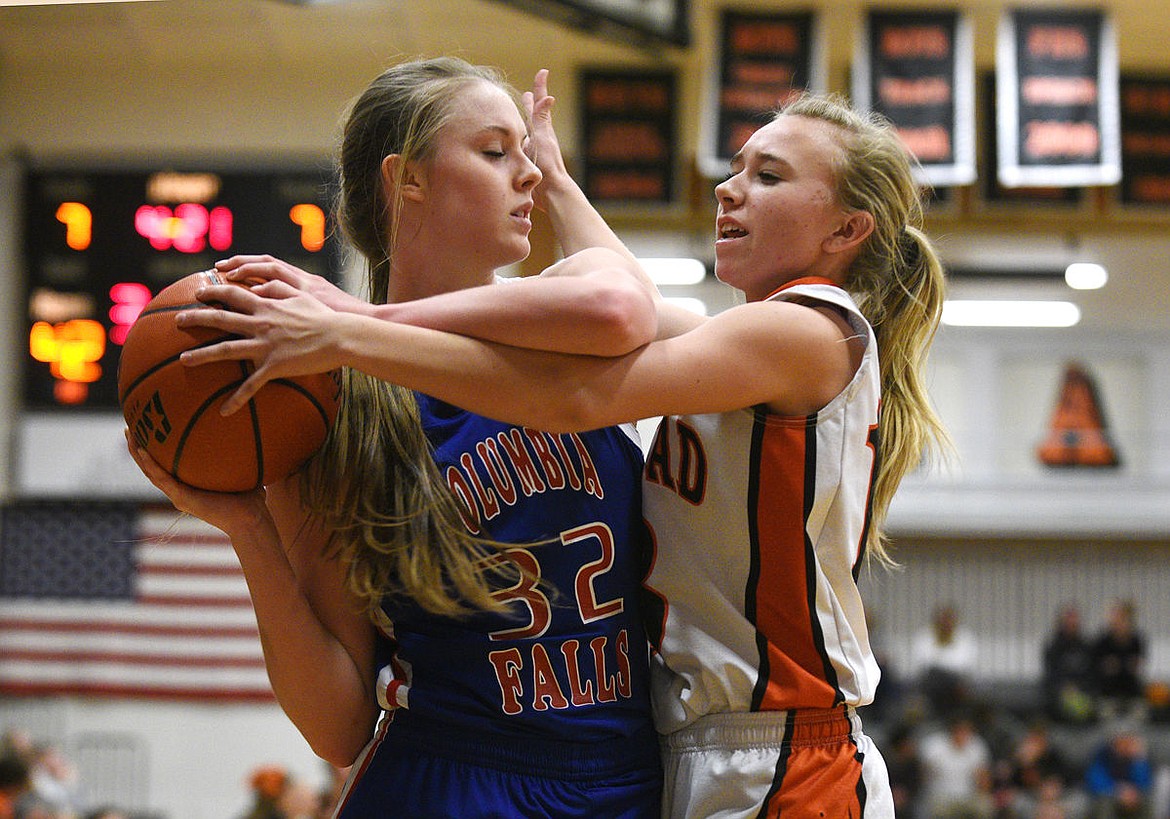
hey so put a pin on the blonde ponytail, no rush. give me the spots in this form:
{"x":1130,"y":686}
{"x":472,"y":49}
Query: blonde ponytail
{"x":899,"y":285}
{"x":910,"y":428}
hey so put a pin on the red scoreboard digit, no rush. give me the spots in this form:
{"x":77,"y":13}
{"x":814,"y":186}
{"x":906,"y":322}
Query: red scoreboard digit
{"x":100,"y":242}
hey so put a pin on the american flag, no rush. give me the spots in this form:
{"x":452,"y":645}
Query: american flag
{"x":124,"y":599}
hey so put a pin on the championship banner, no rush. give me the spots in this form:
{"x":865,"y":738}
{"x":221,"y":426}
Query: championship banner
{"x":628,"y":127}
{"x":918,"y":69}
{"x":1145,"y":140}
{"x":995,"y":193}
{"x":1057,"y":98}
{"x":762,"y":60}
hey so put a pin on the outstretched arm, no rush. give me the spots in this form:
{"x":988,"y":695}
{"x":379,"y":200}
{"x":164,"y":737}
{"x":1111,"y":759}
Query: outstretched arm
{"x":318,"y":648}
{"x":792,"y":357}
{"x":590,"y":302}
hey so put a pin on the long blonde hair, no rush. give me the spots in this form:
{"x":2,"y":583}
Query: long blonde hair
{"x":898,"y":283}
{"x":397,"y":526}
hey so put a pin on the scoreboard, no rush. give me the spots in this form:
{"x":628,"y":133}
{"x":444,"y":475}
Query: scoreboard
{"x":100,"y":242}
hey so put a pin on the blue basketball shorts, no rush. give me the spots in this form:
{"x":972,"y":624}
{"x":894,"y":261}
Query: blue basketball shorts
{"x":415,"y":769}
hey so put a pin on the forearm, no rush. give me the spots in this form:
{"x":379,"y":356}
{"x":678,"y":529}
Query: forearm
{"x":316,"y":680}
{"x":575,"y":220}
{"x":592,"y":303}
{"x":555,"y":392}
{"x":788,"y":357}
{"x":578,"y":225}
{"x":519,"y":386}
{"x":306,"y":661}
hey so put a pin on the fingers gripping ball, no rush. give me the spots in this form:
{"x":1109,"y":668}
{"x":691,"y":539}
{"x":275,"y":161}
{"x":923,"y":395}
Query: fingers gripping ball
{"x":172,"y":410}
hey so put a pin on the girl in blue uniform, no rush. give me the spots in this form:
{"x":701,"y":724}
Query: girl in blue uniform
{"x":446,"y":602}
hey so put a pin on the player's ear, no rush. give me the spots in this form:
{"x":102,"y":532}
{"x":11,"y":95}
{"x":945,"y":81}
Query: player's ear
{"x":854,"y":229}
{"x":405,"y":176}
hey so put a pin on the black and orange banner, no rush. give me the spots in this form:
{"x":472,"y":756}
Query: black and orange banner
{"x":1057,"y":98}
{"x":1145,"y":140}
{"x":994,"y":191}
{"x":628,"y":127}
{"x":763,"y":60}
{"x":918,"y":69}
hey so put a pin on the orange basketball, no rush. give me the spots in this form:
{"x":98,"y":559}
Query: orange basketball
{"x":172,"y":410}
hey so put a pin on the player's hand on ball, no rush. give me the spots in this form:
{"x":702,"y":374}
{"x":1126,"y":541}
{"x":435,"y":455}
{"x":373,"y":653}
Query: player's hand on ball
{"x":255,"y":270}
{"x":173,"y":411}
{"x":227,"y":511}
{"x":284,"y":332}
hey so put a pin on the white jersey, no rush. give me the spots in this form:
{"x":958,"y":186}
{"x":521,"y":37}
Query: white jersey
{"x":759,"y":524}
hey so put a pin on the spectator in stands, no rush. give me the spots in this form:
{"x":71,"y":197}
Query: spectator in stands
{"x":1120,"y":777}
{"x":299,"y":800}
{"x":1041,"y":779}
{"x":995,"y":724}
{"x":956,"y":772}
{"x":888,"y":700}
{"x":14,"y":781}
{"x":267,"y":784}
{"x":276,"y":794}
{"x":943,"y":656}
{"x":53,"y":787}
{"x":1068,"y":670}
{"x":905,"y":770}
{"x":55,"y":780}
{"x":1118,"y":657}
{"x":335,"y":778}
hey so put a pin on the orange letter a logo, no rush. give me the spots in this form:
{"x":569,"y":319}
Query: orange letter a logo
{"x":1077,"y":435}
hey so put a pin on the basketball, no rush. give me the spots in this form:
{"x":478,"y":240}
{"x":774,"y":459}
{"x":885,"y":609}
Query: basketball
{"x":172,"y":410}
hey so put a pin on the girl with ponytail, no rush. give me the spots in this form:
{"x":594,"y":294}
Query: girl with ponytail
{"x":788,"y":422}
{"x":447,"y":602}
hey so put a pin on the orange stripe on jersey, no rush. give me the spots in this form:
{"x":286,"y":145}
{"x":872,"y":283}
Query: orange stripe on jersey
{"x":794,"y":672}
{"x":820,"y":774}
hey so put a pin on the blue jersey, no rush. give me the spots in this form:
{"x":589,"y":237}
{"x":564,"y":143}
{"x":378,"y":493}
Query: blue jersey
{"x":546,"y":687}
{"x":569,"y":659}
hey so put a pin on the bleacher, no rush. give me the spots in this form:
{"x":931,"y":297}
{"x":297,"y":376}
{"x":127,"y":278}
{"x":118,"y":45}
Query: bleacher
{"x":1004,"y":709}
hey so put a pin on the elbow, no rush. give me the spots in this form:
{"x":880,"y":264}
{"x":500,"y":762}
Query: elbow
{"x":339,"y":758}
{"x":578,"y":410}
{"x":340,"y":751}
{"x":340,"y":742}
{"x":626,"y":315}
